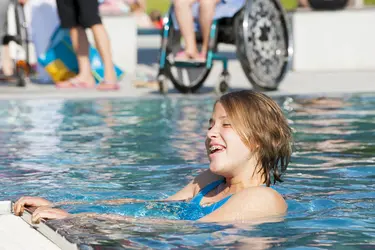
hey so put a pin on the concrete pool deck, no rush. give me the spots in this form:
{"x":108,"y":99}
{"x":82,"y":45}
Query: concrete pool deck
{"x":18,"y":233}
{"x":295,"y":83}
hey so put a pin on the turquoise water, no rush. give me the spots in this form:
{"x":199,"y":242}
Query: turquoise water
{"x":150,"y":148}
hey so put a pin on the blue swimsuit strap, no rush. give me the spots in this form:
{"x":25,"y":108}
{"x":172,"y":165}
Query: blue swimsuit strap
{"x":198,"y":198}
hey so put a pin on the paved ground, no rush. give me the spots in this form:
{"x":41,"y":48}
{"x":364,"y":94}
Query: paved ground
{"x":296,"y":83}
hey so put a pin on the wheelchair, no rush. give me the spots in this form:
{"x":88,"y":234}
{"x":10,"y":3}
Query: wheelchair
{"x":20,"y":37}
{"x":263,"y":41}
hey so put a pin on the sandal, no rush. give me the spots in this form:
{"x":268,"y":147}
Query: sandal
{"x":74,"y":83}
{"x":108,"y":86}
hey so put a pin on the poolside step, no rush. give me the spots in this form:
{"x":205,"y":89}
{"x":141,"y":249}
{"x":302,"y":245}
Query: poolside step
{"x":334,"y":40}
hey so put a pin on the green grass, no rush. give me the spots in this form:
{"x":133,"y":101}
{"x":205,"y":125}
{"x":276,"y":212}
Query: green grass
{"x":369,"y":2}
{"x":289,"y":4}
{"x":163,"y":5}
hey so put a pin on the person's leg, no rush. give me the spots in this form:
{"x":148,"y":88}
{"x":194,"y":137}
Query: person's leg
{"x":185,"y":21}
{"x":81,"y":47}
{"x":206,"y":14}
{"x":104,"y":47}
{"x":304,"y":3}
{"x":90,"y":18}
{"x":68,"y":14}
{"x":6,"y":61}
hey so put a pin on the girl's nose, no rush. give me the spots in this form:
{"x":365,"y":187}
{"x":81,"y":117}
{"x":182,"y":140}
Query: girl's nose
{"x":213,"y":132}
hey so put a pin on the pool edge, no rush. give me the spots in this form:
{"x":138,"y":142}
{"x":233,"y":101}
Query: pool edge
{"x":47,"y":232}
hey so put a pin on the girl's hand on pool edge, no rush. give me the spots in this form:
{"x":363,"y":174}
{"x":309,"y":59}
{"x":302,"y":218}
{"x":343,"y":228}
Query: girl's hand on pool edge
{"x":28,"y":201}
{"x":48,"y":213}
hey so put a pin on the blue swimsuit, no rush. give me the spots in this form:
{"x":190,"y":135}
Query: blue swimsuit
{"x":194,"y":211}
{"x":198,"y":198}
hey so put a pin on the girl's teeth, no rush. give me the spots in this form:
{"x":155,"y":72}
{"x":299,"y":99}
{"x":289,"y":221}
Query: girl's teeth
{"x":214,"y":148}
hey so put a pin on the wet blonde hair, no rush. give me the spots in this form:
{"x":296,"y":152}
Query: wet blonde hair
{"x":262,"y":126}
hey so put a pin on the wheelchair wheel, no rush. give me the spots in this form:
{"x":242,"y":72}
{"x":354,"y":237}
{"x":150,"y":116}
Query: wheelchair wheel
{"x":184,"y":79}
{"x":263,"y":43}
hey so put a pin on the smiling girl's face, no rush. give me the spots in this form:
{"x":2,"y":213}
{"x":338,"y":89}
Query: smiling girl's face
{"x":226,"y":151}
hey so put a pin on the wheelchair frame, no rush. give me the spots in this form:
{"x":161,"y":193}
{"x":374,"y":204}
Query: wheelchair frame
{"x":223,"y":83}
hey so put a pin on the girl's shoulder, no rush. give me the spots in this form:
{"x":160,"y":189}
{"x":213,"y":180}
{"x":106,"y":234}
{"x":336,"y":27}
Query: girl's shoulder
{"x":262,"y":196}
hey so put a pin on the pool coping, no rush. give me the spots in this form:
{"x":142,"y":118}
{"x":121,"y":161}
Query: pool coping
{"x":42,"y":228}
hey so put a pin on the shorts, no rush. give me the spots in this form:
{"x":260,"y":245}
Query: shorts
{"x":73,"y":13}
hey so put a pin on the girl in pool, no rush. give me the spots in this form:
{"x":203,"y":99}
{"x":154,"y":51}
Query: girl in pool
{"x":248,"y":143}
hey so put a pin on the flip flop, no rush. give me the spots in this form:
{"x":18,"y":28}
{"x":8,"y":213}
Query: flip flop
{"x":108,"y":86}
{"x":74,"y":83}
{"x":183,"y":57}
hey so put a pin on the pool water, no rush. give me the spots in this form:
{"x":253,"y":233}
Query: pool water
{"x":91,"y":150}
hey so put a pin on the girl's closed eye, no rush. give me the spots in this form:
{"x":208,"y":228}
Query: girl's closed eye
{"x":226,"y":124}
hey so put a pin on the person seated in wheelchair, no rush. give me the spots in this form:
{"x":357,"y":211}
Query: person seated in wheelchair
{"x":185,"y":20}
{"x":259,"y":29}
